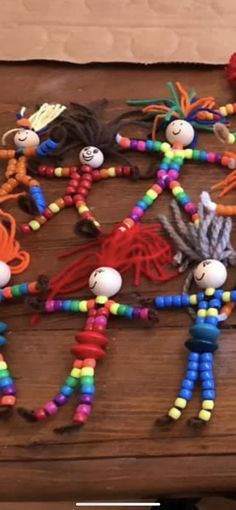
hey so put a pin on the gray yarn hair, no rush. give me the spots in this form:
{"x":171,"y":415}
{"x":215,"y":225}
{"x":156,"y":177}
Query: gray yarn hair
{"x":209,"y":240}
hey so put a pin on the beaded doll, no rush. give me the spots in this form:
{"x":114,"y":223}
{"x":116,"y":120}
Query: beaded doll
{"x":104,"y":282}
{"x":13,"y":260}
{"x":210,"y":250}
{"x":94,"y":140}
{"x":28,"y":144}
{"x":181,"y":117}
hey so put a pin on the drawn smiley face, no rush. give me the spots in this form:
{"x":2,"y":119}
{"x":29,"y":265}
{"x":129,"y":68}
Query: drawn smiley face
{"x":180,"y":131}
{"x":26,"y":138}
{"x":105,"y":281}
{"x":210,"y":273}
{"x":91,"y":156}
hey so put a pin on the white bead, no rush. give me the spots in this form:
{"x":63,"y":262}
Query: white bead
{"x":180,"y":131}
{"x":91,"y":156}
{"x":105,"y":281}
{"x":5,"y":274}
{"x":210,"y":273}
{"x":26,"y":138}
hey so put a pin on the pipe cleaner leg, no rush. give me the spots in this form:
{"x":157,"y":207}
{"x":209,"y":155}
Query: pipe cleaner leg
{"x":87,"y":390}
{"x":52,"y":407}
{"x":208,"y":390}
{"x":88,"y":225}
{"x":186,"y":390}
{"x":184,"y":201}
{"x":49,"y":212}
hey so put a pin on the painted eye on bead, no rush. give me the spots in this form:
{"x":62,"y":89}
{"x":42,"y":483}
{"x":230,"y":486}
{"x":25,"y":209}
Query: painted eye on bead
{"x":91,"y":156}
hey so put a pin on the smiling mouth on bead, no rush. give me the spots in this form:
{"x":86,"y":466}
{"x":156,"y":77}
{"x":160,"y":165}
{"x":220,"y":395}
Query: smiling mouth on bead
{"x":93,"y":286}
{"x":176,"y":132}
{"x":87,"y":158}
{"x":199,"y":279}
{"x":22,"y":139}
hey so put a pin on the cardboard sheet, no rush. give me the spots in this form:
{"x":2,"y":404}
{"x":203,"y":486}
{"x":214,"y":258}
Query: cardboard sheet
{"x":145,"y":31}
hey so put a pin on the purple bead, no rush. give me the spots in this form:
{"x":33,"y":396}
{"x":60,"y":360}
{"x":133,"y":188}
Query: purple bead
{"x":9,"y":390}
{"x":218,"y":158}
{"x":133,"y":144}
{"x":50,"y":408}
{"x":161,"y":182}
{"x":138,"y":210}
{"x":86,"y":399}
{"x":168,"y":180}
{"x":136,"y":312}
{"x":49,"y":306}
{"x":135,"y":217}
{"x":59,"y":305}
{"x":60,"y":399}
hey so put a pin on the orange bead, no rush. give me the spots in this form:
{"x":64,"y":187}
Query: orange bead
{"x":8,"y":400}
{"x":78,"y":363}
{"x":88,"y":362}
{"x":224,"y":160}
{"x":195,"y":216}
{"x":7,"y":293}
{"x":2,"y":357}
{"x":173,"y":184}
{"x":128,"y":222}
{"x":90,"y":304}
{"x":32,"y":287}
{"x":60,"y":202}
{"x":33,"y":182}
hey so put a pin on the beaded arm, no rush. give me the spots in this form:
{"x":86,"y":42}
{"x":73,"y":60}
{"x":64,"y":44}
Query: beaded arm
{"x":229,"y":296}
{"x":66,"y":305}
{"x":141,"y":145}
{"x":178,"y":300}
{"x":74,"y":305}
{"x":22,"y":289}
{"x":130,"y":312}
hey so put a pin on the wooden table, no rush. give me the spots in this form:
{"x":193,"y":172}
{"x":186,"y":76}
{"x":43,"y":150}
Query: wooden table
{"x":120,"y":454}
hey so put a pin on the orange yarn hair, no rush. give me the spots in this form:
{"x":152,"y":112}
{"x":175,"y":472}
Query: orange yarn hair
{"x":10,"y":249}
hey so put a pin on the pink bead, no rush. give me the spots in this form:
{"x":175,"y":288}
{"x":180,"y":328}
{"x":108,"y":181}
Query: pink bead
{"x":84,"y":409}
{"x":40,"y":414}
{"x":138,"y":210}
{"x":141,"y":146}
{"x":51,"y":408}
{"x":144,"y":313}
{"x":188,"y":207}
{"x":173,"y":174}
{"x":211,"y":157}
{"x":162,"y":173}
{"x":49,"y":306}
{"x":26,"y":229}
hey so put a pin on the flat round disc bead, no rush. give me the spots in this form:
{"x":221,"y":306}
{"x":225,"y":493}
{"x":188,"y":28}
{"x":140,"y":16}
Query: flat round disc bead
{"x":93,"y":337}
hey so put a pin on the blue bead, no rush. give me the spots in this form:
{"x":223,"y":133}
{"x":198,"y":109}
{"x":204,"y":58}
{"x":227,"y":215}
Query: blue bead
{"x":87,"y":388}
{"x":212,"y":320}
{"x":67,"y":390}
{"x":200,"y":296}
{"x":192,"y":375}
{"x":185,"y":300}
{"x":206,"y":356}
{"x":187,"y":394}
{"x":3,"y":340}
{"x":200,"y":320}
{"x":164,"y":166}
{"x":3,"y":327}
{"x":176,"y":301}
{"x":159,"y":302}
{"x":1,"y":296}
{"x":67,"y":305}
{"x":24,"y":287}
{"x":149,"y":145}
{"x":208,"y":394}
{"x":205,"y":366}
{"x":203,"y":155}
{"x":168,"y":300}
{"x":193,"y":356}
{"x":218,"y":294}
{"x":205,"y":332}
{"x":6,"y":381}
{"x":203,"y":305}
{"x":142,"y":204}
{"x":129,"y":311}
{"x":187,"y":384}
{"x":193,"y":365}
{"x":209,"y":384}
{"x":233,"y":295}
{"x":175,"y":166}
{"x":208,"y":374}
{"x":215,"y":303}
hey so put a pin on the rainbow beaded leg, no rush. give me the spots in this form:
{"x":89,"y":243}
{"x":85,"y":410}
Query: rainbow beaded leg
{"x":145,"y":202}
{"x":7,"y":387}
{"x":208,"y":386}
{"x":87,"y":390}
{"x":187,"y":386}
{"x":184,"y":201}
{"x":52,"y":407}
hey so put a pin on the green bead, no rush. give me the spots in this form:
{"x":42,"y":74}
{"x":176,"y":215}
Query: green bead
{"x":75,"y":306}
{"x":157,"y":146}
{"x":71,"y":381}
{"x":86,"y":379}
{"x":148,"y":200}
{"x":16,"y":290}
{"x":179,"y":160}
{"x":122,"y":309}
{"x":4,"y":373}
{"x":181,"y":195}
{"x":196,"y":154}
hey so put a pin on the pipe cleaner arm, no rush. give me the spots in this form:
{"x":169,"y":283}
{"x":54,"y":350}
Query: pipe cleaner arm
{"x":141,"y":145}
{"x":119,"y":171}
{"x":221,"y":209}
{"x":131,"y":312}
{"x":178,"y":300}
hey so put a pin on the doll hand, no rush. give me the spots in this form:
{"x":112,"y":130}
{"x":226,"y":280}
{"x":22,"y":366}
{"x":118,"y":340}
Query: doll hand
{"x":43,"y":283}
{"x":153,"y":315}
{"x":207,"y":202}
{"x":135,"y":174}
{"x":221,"y":132}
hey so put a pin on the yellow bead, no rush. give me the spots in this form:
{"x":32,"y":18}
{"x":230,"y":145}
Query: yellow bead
{"x":174,"y":413}
{"x":204,"y":415}
{"x":196,"y":222}
{"x":213,"y":312}
{"x":83,"y":306}
{"x":169,"y":154}
{"x":87,"y":371}
{"x":177,"y":190}
{"x":226,"y":297}
{"x":82,"y":209}
{"x":193,"y":299}
{"x":58,"y":171}
{"x":223,"y":111}
{"x":208,"y":405}
{"x":181,"y":403}
{"x":114,"y":307}
{"x":201,"y":313}
{"x":152,"y":194}
{"x":231,"y":138}
{"x":179,"y":153}
{"x":35,"y":225}
{"x":76,"y":372}
{"x":210,"y":291}
{"x":188,"y":153}
{"x":112,"y":172}
{"x":101,"y":300}
{"x":54,"y":207}
{"x":230,"y":109}
{"x":165,"y":147}
{"x":3,"y":365}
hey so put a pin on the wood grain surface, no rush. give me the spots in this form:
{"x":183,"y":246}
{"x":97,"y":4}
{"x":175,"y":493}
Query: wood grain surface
{"x":120,"y":454}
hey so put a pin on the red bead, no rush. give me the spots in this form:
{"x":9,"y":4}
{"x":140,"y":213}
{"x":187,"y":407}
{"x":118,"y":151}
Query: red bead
{"x":83,"y":191}
{"x":26,"y":229}
{"x":40,"y":414}
{"x":86,"y":169}
{"x":119,"y":171}
{"x":47,"y":213}
{"x":70,"y":190}
{"x":74,"y":170}
{"x":102,"y":311}
{"x":86,"y":184}
{"x":80,"y":418}
{"x":92,"y":337}
{"x":42,"y":169}
{"x":68,"y":200}
{"x":49,"y":171}
{"x":88,"y":351}
{"x":127,"y":171}
{"x":73,"y":183}
{"x":96,"y":175}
